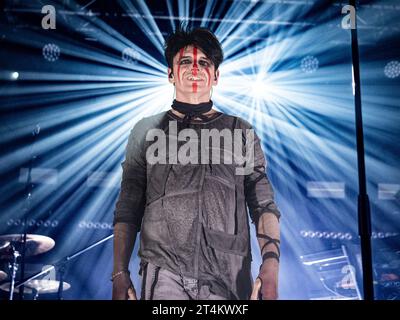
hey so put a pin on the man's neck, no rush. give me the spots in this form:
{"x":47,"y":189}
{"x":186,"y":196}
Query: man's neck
{"x":192,"y":100}
{"x":181,"y":115}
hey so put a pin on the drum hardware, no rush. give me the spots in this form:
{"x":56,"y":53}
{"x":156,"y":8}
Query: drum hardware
{"x":3,"y":244}
{"x":61,"y":265}
{"x":37,"y":287}
{"x":3,"y":275}
{"x":30,"y":244}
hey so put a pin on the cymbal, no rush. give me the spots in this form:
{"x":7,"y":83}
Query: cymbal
{"x":4,"y":244}
{"x":3,"y":275}
{"x":6,"y":287}
{"x":40,"y":286}
{"x":35,"y":244}
{"x":47,"y":286}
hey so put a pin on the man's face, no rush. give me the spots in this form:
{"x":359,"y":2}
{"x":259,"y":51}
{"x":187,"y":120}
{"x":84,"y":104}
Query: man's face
{"x":193,"y":73}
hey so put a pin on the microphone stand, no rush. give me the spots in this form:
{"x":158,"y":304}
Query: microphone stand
{"x":61,"y":264}
{"x":14,"y":268}
{"x":28,"y":189}
{"x":364,"y":214}
{"x":61,"y":271}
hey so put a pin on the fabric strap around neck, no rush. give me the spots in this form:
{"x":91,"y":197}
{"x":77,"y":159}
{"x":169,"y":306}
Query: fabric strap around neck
{"x":192,"y":110}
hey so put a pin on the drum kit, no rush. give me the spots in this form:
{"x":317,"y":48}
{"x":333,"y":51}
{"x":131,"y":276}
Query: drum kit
{"x":12,"y":247}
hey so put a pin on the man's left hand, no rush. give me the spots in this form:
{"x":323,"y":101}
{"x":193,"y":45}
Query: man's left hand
{"x":266,"y":285}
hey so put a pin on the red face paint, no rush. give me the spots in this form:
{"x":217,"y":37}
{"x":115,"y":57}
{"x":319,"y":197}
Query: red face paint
{"x":195,"y":69}
{"x":179,"y":64}
{"x":195,"y":66}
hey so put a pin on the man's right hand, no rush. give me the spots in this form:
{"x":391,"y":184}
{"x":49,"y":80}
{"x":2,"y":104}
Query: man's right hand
{"x":123,"y":288}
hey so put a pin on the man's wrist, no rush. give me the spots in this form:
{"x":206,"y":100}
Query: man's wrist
{"x":118,"y":274}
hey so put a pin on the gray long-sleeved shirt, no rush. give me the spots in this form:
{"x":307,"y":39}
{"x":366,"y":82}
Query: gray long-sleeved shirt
{"x":193,"y":217}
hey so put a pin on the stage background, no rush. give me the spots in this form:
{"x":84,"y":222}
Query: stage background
{"x":287,"y":70}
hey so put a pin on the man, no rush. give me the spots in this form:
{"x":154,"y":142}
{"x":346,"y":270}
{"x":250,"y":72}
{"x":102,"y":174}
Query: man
{"x":192,"y":216}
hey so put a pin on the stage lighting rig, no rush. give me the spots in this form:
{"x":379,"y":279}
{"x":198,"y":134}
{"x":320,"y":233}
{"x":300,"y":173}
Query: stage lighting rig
{"x":51,"y":52}
{"x":309,"y":64}
{"x":392,"y":69}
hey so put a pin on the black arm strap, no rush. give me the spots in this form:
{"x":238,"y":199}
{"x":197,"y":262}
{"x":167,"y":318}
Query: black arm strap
{"x":260,"y":170}
{"x":275,"y":242}
{"x":270,"y":255}
{"x":266,"y":209}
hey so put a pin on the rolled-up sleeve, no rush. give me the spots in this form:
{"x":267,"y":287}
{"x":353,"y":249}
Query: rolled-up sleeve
{"x":258,"y":189}
{"x":132,"y":197}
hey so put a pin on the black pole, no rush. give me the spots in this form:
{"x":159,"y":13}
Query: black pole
{"x":28,"y":204}
{"x":364,"y":214}
{"x":61,"y":271}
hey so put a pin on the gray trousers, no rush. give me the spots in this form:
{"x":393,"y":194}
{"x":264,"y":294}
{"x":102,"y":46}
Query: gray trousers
{"x":162,"y":284}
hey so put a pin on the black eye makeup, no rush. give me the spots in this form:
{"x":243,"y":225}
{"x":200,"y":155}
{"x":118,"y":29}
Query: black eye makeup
{"x":202,"y":62}
{"x":185,"y":61}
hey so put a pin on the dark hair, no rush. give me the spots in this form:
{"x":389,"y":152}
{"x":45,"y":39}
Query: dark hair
{"x":201,"y":38}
